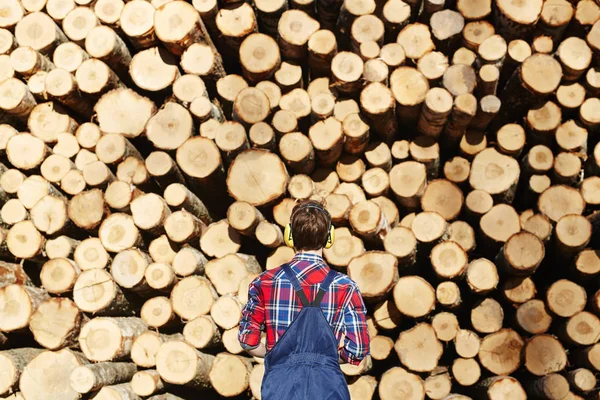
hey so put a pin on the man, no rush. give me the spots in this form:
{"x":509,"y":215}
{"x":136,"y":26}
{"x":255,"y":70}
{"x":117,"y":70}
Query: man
{"x":302,"y":354}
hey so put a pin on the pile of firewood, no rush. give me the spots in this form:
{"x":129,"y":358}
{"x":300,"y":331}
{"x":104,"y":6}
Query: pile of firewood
{"x":152,"y":151}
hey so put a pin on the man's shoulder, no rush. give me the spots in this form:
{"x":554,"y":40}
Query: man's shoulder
{"x":342,"y":279}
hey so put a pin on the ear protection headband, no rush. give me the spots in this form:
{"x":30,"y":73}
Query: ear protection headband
{"x":287,"y":235}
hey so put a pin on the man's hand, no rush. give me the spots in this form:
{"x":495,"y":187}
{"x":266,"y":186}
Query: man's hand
{"x":259,"y":351}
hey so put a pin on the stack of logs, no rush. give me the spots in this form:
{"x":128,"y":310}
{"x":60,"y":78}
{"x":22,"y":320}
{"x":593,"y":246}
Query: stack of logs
{"x":151,"y":152}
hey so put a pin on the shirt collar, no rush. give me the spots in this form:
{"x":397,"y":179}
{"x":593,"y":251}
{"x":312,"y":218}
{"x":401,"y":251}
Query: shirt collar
{"x":308,"y":257}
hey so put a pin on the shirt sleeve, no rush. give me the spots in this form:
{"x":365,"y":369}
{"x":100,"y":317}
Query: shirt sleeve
{"x":253,"y":318}
{"x":357,"y":340}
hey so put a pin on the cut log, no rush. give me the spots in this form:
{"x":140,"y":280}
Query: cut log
{"x":482,"y":276}
{"x":170,"y":127}
{"x":160,"y":276}
{"x":544,"y":355}
{"x":487,"y":317}
{"x":500,"y":352}
{"x":467,"y":343}
{"x":259,"y":57}
{"x":174,"y":354}
{"x":459,"y":79}
{"x":118,"y":232}
{"x":226,"y":273}
{"x":558,"y":201}
{"x":25,"y":152}
{"x":438,"y":384}
{"x":12,"y":363}
{"x":13,"y":212}
{"x":47,"y":375}
{"x":410,"y":288}
{"x":565,"y":298}
{"x":365,"y":267}
{"x":205,"y":61}
{"x":463,"y":111}
{"x":418,"y":348}
{"x":322,"y":47}
{"x":582,"y":380}
{"x":88,"y":378}
{"x":146,"y":383}
{"x":466,"y":371}
{"x":192,"y":297}
{"x":18,"y":305}
{"x":109,"y":339}
{"x":582,"y":329}
{"x":262,"y":136}
{"x":234,"y":26}
{"x":24,"y":240}
{"x":345,"y":248}
{"x":58,"y":275}
{"x":115,"y":111}
{"x":16,"y":99}
{"x":519,"y":290}
{"x":496,"y":174}
{"x":396,"y":382}
{"x":179,"y":197}
{"x":220,"y":239}
{"x":202,"y":332}
{"x":37,"y":23}
{"x":489,"y":106}
{"x":475,"y":32}
{"x":445,"y":325}
{"x":412,"y":176}
{"x":157,"y":313}
{"x":501,"y":387}
{"x":95,"y":291}
{"x":295,"y":28}
{"x":409,"y":96}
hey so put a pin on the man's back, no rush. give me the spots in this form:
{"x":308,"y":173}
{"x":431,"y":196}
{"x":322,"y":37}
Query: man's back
{"x":272,"y":304}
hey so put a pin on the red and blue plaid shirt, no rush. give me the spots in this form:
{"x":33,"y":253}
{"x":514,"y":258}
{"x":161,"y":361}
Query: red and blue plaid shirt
{"x":273,"y":305}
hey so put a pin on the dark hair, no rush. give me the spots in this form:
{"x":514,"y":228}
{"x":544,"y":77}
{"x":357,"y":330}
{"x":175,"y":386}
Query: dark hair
{"x":310,"y":226}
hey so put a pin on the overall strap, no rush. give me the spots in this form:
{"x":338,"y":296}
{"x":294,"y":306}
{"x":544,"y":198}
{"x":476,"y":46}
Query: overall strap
{"x":297,"y":288}
{"x":324,"y":287}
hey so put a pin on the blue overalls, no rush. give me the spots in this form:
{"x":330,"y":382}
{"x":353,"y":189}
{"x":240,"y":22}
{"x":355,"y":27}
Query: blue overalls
{"x":303,"y":364}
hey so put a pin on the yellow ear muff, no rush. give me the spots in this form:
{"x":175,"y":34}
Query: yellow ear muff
{"x":330,"y":237}
{"x":289,"y":239}
{"x":287,"y":236}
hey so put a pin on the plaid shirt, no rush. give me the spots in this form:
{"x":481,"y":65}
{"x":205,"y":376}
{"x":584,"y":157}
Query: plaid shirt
{"x":273,"y":305}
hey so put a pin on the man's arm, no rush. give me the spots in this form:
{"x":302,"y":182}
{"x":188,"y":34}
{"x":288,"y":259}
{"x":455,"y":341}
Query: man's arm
{"x":356,"y":340}
{"x":252,"y":322}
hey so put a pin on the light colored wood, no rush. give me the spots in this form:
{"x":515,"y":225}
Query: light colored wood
{"x":118,"y":232}
{"x":28,"y":299}
{"x":85,"y":379}
{"x":202,"y":332}
{"x":137,"y":22}
{"x":146,"y":383}
{"x":544,"y":355}
{"x":179,"y":197}
{"x":13,"y":362}
{"x":157,"y":313}
{"x":124,"y":112}
{"x":408,"y":96}
{"x":58,"y":275}
{"x":565,"y":298}
{"x":47,"y":375}
{"x":259,"y":57}
{"x":418,"y":348}
{"x":397,"y":381}
{"x":295,"y":28}
{"x":203,"y":60}
{"x":16,"y":99}
{"x":196,"y":373}
{"x":475,"y":32}
{"x":95,"y":291}
{"x":404,"y":291}
{"x":466,"y":371}
{"x":506,"y":342}
{"x":118,"y":334}
{"x":186,"y":29}
{"x":38,"y":31}
{"x":24,"y":240}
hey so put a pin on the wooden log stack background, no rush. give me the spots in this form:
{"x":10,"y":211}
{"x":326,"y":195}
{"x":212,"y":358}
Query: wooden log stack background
{"x":152,"y":151}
